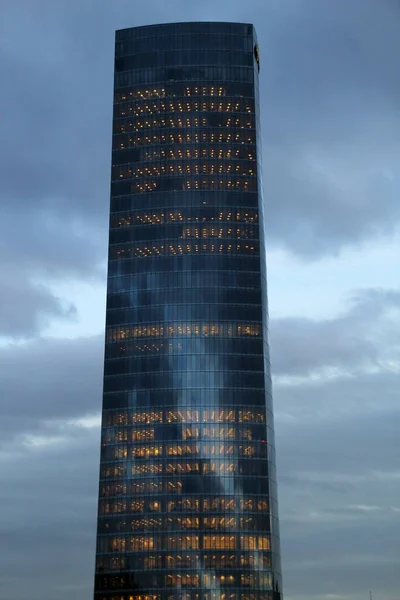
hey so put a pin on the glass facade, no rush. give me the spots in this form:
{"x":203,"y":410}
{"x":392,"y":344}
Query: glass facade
{"x":187,"y":497}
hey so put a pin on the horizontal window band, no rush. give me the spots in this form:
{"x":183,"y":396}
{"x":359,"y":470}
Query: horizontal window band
{"x":193,"y":89}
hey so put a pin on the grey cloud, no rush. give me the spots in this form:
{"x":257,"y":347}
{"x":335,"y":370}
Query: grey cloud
{"x":41,"y":257}
{"x":329,"y":460}
{"x":331,"y":121}
{"x":355,"y":442}
{"x":48,"y":519}
{"x":330,"y":115}
{"x":331,"y":152}
{"x":26,"y":308}
{"x":337,"y":454}
{"x":64,"y":376}
{"x":335,"y":444}
{"x":331,"y":125}
{"x":361,"y":337}
{"x":54,"y":174}
{"x":54,"y":245}
{"x":316,"y":207}
{"x":47,"y":381}
{"x":338,"y":397}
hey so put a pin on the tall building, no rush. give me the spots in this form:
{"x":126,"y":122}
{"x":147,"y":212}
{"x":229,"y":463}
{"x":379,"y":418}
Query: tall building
{"x":187,"y":498}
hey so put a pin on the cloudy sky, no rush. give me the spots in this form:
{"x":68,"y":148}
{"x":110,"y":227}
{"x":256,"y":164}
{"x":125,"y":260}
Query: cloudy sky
{"x":331,"y":130}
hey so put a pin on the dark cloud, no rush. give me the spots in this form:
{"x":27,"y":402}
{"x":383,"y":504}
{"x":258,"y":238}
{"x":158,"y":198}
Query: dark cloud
{"x":56,"y":137}
{"x":331,"y":124}
{"x":329,"y":108}
{"x":331,"y":130}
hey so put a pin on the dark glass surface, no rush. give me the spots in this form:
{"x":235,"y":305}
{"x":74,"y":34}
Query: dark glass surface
{"x":187,"y":497}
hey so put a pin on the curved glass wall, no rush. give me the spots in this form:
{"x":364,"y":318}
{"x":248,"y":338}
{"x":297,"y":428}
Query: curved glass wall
{"x":187,"y":498}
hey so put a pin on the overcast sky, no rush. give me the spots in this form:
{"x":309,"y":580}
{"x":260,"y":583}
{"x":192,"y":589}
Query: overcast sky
{"x":330,"y":89}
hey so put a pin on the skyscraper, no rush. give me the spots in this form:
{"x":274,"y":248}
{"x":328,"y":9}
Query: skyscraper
{"x":187,"y":498}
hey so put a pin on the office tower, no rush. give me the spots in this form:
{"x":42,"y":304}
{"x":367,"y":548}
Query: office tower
{"x":187,"y":499}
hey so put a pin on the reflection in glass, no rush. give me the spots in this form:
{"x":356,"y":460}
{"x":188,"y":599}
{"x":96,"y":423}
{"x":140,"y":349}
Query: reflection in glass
{"x":187,"y":497}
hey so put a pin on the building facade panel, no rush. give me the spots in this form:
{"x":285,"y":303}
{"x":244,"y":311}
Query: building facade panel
{"x":187,"y":496}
